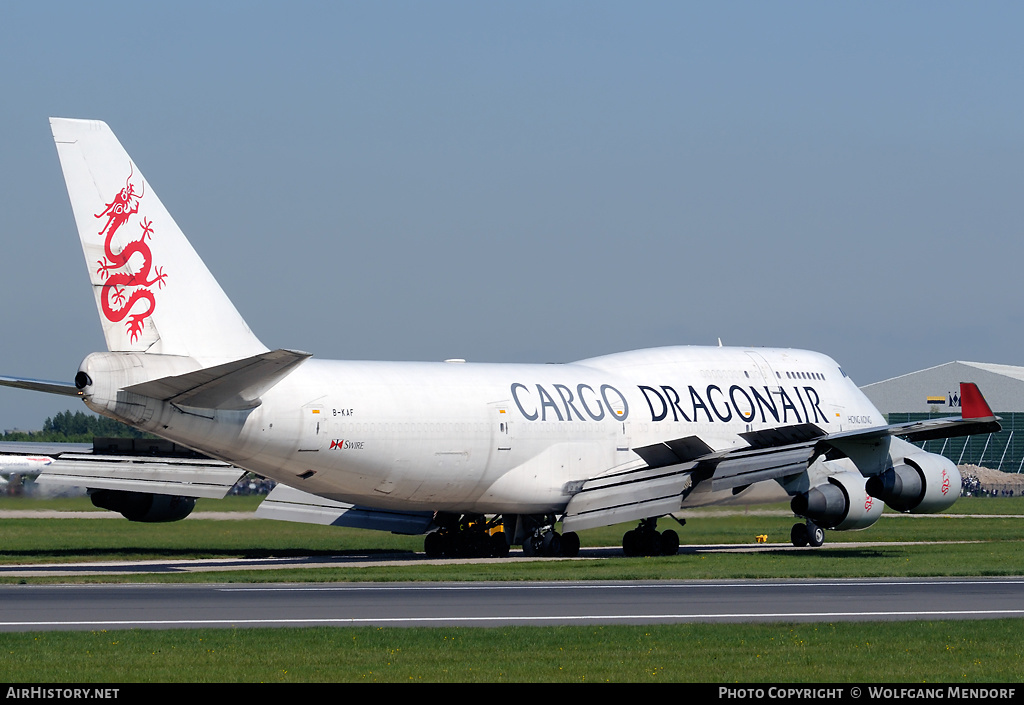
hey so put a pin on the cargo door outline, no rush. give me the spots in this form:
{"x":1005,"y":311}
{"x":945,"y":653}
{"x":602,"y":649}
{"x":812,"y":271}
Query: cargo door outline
{"x":501,"y":428}
{"x":313,"y":428}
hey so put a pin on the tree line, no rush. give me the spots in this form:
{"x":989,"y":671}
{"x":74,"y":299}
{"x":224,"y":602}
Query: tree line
{"x":75,"y":427}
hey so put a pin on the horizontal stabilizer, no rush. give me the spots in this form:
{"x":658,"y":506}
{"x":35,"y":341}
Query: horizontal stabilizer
{"x":286,"y":503}
{"x":41,"y":385}
{"x":233,"y":385}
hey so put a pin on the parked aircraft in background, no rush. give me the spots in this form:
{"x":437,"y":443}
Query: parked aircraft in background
{"x":476,"y":456}
{"x":24,"y":465}
{"x":14,"y":469}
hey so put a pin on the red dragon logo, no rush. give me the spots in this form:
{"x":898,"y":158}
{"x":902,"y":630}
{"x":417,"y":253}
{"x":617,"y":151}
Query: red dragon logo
{"x":127,"y":295}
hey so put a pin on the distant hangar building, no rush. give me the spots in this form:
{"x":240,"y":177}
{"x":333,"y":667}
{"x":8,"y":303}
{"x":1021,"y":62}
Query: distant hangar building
{"x":936,"y":392}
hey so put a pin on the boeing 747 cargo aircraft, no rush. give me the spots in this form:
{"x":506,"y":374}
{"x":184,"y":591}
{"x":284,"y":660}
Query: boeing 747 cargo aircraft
{"x":479,"y":457}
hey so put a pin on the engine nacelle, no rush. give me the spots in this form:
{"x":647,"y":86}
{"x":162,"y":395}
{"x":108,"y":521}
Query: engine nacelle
{"x":923,"y":483}
{"x":842,"y":503}
{"x":142,"y":506}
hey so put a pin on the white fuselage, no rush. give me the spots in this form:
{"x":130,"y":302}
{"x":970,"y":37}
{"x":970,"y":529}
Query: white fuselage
{"x":490,"y":438}
{"x":23,"y":465}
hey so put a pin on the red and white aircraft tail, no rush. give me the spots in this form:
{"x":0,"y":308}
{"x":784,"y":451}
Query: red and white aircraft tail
{"x":153,"y":292}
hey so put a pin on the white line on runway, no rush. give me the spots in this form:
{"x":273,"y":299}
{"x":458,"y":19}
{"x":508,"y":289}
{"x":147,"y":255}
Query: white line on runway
{"x":942,"y":614}
{"x":613,"y":586}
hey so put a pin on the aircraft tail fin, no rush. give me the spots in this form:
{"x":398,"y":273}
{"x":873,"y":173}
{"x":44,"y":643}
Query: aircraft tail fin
{"x":153,"y":292}
{"x":972,"y":403}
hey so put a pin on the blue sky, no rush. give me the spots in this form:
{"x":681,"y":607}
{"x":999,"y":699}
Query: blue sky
{"x":537,"y":182}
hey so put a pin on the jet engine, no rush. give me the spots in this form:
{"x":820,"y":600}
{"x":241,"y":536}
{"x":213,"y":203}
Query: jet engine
{"x":841,"y":503}
{"x":142,"y":506}
{"x":924,"y":483}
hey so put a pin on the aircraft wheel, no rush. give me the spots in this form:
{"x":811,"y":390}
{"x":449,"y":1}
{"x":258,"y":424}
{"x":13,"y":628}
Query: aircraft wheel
{"x":499,"y":546}
{"x":532,"y":546}
{"x":630,"y":544}
{"x":548,"y":543}
{"x":669,"y":543}
{"x":570,"y":544}
{"x":433,"y":545}
{"x":815,"y":535}
{"x":650,"y":543}
{"x":552,"y":544}
{"x":799,"y":535}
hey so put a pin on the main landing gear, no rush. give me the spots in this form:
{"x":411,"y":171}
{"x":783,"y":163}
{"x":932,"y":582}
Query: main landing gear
{"x":809,"y":534}
{"x":536,"y":533}
{"x":550,"y":543}
{"x":645,"y":540}
{"x":476,"y":536}
{"x":466,"y":537}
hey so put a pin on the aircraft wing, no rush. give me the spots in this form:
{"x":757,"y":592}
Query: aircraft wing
{"x":78,"y":465}
{"x":660,"y":486}
{"x":673,"y":468}
{"x":182,"y":477}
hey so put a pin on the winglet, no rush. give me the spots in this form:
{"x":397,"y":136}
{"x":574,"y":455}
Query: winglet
{"x":972,"y":403}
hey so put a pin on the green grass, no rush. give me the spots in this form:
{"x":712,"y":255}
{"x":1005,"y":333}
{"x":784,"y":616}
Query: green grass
{"x":35,"y":540}
{"x":996,"y":547}
{"x":70,"y":540}
{"x":903,"y":652}
{"x":993,"y":559}
{"x":987,"y":505}
{"x":947,"y":652}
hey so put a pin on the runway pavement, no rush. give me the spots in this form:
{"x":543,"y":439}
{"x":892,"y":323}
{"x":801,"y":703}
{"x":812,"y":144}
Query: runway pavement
{"x":90,"y":607}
